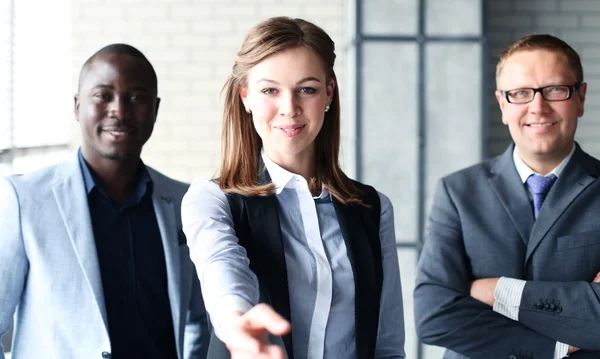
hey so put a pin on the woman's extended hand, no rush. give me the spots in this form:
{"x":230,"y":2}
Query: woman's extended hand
{"x":248,"y":333}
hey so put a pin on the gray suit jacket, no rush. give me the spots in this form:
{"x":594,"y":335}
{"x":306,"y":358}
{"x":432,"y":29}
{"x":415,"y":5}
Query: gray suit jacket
{"x":49,"y":272}
{"x":482,"y":225}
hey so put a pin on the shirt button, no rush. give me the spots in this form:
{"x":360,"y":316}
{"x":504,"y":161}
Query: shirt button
{"x":105,"y":355}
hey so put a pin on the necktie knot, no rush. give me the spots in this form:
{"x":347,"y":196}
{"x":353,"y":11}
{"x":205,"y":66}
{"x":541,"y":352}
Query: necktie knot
{"x":539,"y":187}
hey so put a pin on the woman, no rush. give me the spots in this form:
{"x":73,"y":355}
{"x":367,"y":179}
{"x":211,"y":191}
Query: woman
{"x":282,"y":225}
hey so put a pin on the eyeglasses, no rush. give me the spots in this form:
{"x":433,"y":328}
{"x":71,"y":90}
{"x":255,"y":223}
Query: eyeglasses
{"x":549,"y":93}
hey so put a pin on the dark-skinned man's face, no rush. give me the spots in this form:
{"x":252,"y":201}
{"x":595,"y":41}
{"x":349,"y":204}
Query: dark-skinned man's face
{"x":116,"y":107}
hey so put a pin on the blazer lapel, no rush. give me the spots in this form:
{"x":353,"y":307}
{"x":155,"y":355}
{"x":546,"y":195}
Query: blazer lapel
{"x":510,"y":191}
{"x":263,"y":217}
{"x":71,"y":198}
{"x":167,"y":223}
{"x":577,"y":175}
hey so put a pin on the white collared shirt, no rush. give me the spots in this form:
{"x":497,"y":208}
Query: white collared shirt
{"x":526,"y":171}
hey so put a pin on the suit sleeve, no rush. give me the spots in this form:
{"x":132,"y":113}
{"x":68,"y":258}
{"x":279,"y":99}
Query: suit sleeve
{"x":569,"y":312}
{"x":14,"y":265}
{"x":445,"y":313}
{"x":197,"y":334}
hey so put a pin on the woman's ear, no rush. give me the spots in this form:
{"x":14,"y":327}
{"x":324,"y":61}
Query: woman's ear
{"x":244,"y":97}
{"x":330,"y":87}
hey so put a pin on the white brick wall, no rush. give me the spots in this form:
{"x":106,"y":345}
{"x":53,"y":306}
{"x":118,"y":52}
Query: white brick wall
{"x":575,"y":21}
{"x":191,"y":44}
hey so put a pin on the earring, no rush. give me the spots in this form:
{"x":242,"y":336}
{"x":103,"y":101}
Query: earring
{"x":248,"y":110}
{"x":326,"y":108}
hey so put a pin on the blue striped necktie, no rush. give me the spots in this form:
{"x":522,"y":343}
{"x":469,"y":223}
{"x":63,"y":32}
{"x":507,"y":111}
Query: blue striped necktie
{"x":539,"y":187}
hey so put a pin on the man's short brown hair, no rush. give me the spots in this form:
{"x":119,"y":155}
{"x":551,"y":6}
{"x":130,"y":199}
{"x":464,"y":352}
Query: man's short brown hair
{"x":542,"y":42}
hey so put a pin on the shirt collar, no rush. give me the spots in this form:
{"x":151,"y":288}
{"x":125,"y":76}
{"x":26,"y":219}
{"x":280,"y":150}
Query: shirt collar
{"x":525,"y":171}
{"x":283,"y":178}
{"x":143,"y":183}
{"x":88,"y":179}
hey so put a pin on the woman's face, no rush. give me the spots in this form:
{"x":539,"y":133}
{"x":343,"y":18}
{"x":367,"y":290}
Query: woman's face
{"x":287,"y":94}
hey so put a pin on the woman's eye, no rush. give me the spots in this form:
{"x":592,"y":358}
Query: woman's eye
{"x":268,"y":91}
{"x":308,"y":90}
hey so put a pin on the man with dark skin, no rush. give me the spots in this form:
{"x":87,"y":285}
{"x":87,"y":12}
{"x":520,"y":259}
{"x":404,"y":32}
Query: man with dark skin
{"x":116,"y":107}
{"x":92,"y":256}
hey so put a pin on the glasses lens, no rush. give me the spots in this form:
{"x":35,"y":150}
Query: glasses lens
{"x":520,"y":95}
{"x":554,"y":93}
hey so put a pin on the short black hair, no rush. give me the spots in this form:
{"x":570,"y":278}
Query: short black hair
{"x":120,"y":49}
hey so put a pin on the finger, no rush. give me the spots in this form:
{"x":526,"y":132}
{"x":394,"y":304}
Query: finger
{"x":263,"y":316}
{"x":251,"y":332}
{"x":246,"y":340}
{"x":275,"y":352}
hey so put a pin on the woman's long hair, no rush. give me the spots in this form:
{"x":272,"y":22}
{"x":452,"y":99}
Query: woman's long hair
{"x":241,"y":144}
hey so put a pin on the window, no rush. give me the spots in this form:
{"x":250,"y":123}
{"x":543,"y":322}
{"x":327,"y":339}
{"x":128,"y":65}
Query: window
{"x":35,"y":79}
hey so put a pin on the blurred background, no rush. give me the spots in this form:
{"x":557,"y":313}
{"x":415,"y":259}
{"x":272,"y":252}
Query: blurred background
{"x":416,"y":78}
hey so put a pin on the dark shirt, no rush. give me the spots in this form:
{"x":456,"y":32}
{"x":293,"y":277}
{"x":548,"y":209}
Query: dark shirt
{"x":133,"y":269}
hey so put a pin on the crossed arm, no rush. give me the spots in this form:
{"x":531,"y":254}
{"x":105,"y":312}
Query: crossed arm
{"x":448,"y":315}
{"x":486,"y":290}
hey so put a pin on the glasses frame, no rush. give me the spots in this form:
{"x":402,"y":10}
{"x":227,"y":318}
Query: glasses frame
{"x":572,"y":89}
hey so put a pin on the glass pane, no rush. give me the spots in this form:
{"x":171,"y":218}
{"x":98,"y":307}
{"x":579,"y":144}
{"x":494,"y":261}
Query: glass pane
{"x":453,"y":109}
{"x":5,"y":70}
{"x":453,"y":17}
{"x":43,"y":97}
{"x":389,"y":128}
{"x":408,"y":265}
{"x":390,"y":17}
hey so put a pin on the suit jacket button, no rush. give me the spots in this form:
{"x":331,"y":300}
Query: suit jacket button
{"x":539,"y":305}
{"x":105,"y":355}
{"x":558,"y":309}
{"x":546,"y":306}
{"x":512,"y":356}
{"x":552,"y":307}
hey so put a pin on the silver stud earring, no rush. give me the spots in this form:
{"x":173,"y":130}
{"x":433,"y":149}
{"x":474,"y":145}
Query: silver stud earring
{"x":326,"y":108}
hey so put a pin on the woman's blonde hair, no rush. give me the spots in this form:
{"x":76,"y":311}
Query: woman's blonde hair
{"x":241,"y":144}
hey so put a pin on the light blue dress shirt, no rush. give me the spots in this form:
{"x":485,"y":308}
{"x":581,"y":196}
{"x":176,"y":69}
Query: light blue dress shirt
{"x":319,"y":273}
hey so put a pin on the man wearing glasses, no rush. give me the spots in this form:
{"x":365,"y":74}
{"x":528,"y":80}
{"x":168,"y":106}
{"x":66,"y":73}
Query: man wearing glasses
{"x":510,"y":264}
